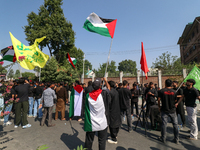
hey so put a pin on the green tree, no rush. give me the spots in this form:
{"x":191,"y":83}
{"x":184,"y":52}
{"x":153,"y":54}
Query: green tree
{"x":111,"y":68}
{"x":2,"y":69}
{"x":87,"y":65}
{"x":29,"y":75}
{"x":11,"y":73}
{"x":128,"y":66}
{"x":52,"y":72}
{"x":17,"y":73}
{"x":51,"y":22}
{"x":170,"y":64}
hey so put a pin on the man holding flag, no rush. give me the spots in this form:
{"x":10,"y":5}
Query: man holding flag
{"x":191,"y":94}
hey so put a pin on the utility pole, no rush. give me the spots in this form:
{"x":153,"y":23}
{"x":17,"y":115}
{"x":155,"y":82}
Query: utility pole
{"x":83,"y":68}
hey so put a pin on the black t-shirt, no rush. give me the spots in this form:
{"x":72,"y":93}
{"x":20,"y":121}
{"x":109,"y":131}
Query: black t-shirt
{"x":124,"y":97}
{"x":179,"y":92}
{"x":22,"y":92}
{"x":136,"y":94}
{"x":168,"y":97}
{"x":190,"y":97}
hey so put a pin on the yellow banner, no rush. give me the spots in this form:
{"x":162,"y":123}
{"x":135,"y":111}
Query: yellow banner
{"x":33,"y":55}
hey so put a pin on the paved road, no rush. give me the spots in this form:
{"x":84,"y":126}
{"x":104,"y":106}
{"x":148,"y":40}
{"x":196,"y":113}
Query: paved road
{"x":63,"y":137}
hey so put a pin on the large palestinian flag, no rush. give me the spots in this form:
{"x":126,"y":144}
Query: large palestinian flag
{"x":76,"y":99}
{"x":95,"y":118}
{"x":105,"y":27}
{"x":8,"y":54}
{"x":71,"y":60}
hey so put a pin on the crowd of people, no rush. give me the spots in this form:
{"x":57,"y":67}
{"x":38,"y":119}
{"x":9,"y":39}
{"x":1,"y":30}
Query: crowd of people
{"x":101,"y":105}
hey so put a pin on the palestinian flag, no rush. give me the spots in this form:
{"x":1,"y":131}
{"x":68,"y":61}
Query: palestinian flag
{"x":95,"y":118}
{"x":76,"y":99}
{"x":71,"y":60}
{"x":105,"y":27}
{"x":8,"y":54}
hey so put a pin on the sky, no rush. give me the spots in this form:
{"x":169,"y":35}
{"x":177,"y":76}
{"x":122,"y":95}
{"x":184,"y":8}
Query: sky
{"x":158,"y":24}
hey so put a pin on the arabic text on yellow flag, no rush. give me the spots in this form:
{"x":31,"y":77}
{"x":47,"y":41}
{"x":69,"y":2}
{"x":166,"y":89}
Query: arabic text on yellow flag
{"x":33,"y":55}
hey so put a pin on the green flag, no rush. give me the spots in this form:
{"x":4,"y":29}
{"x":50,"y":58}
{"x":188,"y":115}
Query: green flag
{"x":194,"y":74}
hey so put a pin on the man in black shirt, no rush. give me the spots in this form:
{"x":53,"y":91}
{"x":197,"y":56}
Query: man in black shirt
{"x":21,"y":108}
{"x":150,"y":94}
{"x":168,"y":109}
{"x":191,"y":94}
{"x":124,"y":101}
{"x":134,"y":99}
{"x":180,"y":109}
{"x":115,"y":117}
{"x":38,"y":94}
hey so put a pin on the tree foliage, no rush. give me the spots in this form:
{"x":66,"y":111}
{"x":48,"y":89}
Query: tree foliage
{"x":29,"y":75}
{"x":2,"y":69}
{"x":170,"y":64}
{"x":11,"y":73}
{"x":51,"y":22}
{"x":128,"y":66}
{"x":52,"y":72}
{"x":111,"y":67}
{"x":17,"y":73}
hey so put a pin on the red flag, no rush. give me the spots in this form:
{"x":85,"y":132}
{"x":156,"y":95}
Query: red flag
{"x":143,"y":62}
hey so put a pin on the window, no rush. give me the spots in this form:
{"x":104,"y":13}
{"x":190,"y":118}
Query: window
{"x":192,"y":34}
{"x":195,"y":59}
{"x":189,"y":40}
{"x":194,"y":47}
{"x":187,"y":54}
{"x":190,"y":50}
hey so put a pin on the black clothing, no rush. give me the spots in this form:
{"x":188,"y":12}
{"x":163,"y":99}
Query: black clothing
{"x":102,"y":137}
{"x":136,"y":107}
{"x":38,"y":92}
{"x":151,"y":98}
{"x":168,"y":98}
{"x":2,"y":89}
{"x":67,"y":88}
{"x":113,"y":133}
{"x":180,"y":109}
{"x":107,"y":100}
{"x":31,"y":91}
{"x":190,"y":97}
{"x":136,"y":94}
{"x":124,"y":97}
{"x":115,"y":118}
{"x":22,"y":92}
{"x":21,"y":110}
{"x":88,"y":89}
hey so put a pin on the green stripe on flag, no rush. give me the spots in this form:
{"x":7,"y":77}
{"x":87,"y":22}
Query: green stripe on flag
{"x":102,"y":31}
{"x":8,"y":58}
{"x":71,"y":108}
{"x":87,"y":122}
{"x":194,"y":74}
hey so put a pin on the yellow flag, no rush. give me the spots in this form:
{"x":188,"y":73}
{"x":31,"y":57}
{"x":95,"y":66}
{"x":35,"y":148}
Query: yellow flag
{"x":33,"y":55}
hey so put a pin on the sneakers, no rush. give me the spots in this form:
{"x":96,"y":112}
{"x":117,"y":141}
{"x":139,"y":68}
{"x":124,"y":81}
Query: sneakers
{"x":189,"y":138}
{"x":30,"y":116}
{"x":161,"y":140}
{"x":175,"y":141}
{"x":7,"y":123}
{"x":111,"y":141}
{"x":16,"y":126}
{"x":26,"y":126}
{"x":2,"y":119}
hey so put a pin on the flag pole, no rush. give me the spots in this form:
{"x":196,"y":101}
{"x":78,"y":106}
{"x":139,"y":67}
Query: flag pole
{"x":108,"y":59}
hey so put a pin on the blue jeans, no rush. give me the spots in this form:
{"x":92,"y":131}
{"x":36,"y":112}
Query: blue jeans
{"x":174,"y":119}
{"x":1,"y":103}
{"x":8,"y":108}
{"x":30,"y":100}
{"x":36,"y":105}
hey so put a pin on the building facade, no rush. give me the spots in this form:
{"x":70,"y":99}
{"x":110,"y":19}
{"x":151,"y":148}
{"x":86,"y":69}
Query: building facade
{"x":189,"y":42}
